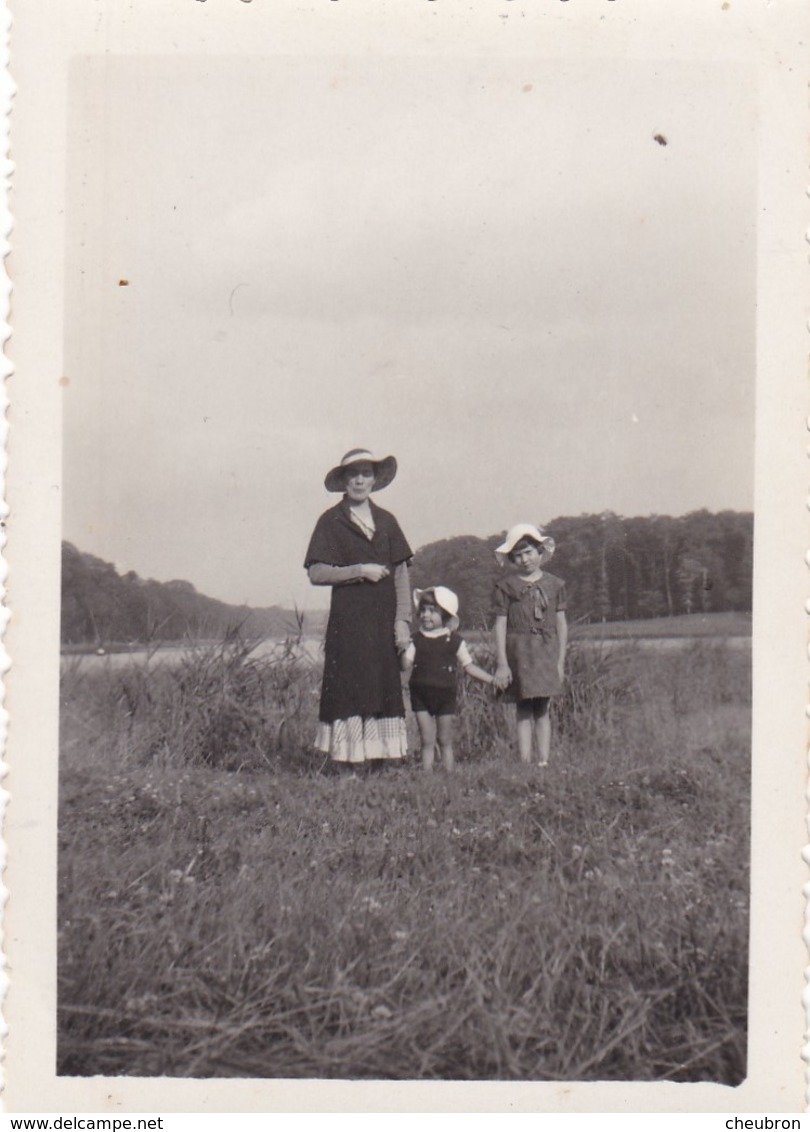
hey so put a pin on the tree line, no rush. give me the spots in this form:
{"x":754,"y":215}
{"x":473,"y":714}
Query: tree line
{"x":102,"y":607}
{"x":615,"y":569}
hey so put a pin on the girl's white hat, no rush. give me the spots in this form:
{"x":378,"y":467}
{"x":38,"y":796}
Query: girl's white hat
{"x":525,"y":531}
{"x":444,"y":598}
{"x":385,"y":468}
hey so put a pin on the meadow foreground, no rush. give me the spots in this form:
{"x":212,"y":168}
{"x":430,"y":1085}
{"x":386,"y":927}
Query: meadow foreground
{"x":229,"y":907}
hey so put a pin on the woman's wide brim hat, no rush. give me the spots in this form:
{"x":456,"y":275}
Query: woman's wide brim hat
{"x":521,"y":532}
{"x":385,"y":468}
{"x":444,"y":598}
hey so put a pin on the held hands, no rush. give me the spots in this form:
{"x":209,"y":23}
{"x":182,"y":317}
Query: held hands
{"x":373,"y":572}
{"x":503,"y":677}
{"x":402,"y":635}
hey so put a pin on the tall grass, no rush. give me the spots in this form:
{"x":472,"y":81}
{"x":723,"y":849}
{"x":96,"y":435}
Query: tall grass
{"x":218,"y":706}
{"x":228,"y":909}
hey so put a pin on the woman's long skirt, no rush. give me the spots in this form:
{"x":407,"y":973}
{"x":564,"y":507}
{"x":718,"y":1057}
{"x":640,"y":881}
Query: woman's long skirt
{"x":362,"y":711}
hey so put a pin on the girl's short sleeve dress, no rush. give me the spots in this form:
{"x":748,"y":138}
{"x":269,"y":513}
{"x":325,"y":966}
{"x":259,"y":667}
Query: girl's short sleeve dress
{"x":532,"y":643}
{"x":362,"y":712}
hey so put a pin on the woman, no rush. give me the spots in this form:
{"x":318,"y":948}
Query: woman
{"x":358,"y":549}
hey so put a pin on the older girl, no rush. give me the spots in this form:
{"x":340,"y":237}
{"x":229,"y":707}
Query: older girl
{"x":531,"y":636}
{"x":358,"y":549}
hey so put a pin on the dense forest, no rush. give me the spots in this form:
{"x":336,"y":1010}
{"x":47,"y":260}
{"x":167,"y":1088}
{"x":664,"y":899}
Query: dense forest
{"x":615,"y":569}
{"x":101,"y":606}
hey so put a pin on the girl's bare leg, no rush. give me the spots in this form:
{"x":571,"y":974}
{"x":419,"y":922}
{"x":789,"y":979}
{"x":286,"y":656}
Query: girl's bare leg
{"x":542,"y":727}
{"x":427,"y":735}
{"x":525,"y":730}
{"x":444,"y":727}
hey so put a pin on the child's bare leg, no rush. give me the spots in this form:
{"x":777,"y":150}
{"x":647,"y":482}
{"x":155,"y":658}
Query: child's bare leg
{"x":427,"y":735}
{"x":542,"y":728}
{"x":525,"y":730}
{"x":444,"y":727}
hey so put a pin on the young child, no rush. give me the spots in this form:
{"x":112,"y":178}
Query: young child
{"x":531,"y":636}
{"x":432,"y":658}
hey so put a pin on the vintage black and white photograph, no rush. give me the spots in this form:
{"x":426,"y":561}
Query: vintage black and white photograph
{"x":531,"y":865}
{"x":407,"y":590}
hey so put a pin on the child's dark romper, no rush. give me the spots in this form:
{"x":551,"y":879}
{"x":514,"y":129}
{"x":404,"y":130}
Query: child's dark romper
{"x":434,"y":677}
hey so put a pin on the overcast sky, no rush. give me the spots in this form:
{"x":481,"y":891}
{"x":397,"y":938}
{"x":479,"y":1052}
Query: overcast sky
{"x":491,"y":269}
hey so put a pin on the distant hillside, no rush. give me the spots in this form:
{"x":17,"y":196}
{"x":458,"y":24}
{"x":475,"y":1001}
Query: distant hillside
{"x":615,"y":569}
{"x":100,"y":606}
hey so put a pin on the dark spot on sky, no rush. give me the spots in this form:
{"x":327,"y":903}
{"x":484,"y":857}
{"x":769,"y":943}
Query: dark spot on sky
{"x":123,"y":282}
{"x":660,"y":139}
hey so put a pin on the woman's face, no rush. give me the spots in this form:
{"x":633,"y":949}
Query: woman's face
{"x":359,"y":479}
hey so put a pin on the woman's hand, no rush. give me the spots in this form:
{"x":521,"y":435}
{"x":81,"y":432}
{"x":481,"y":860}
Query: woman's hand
{"x":402,"y":635}
{"x":503,"y":676}
{"x":373,"y":572}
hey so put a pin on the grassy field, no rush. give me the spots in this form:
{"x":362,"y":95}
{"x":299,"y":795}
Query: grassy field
{"x":230,"y":907}
{"x":686,"y":625}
